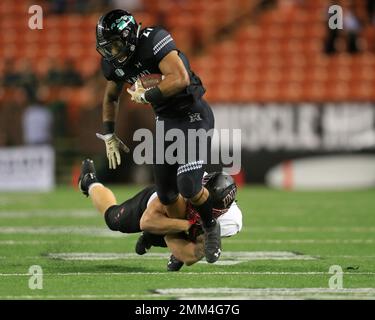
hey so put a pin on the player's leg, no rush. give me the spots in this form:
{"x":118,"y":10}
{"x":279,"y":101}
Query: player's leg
{"x":189,"y":178}
{"x":166,"y":171}
{"x":177,"y":209}
{"x":124,"y":217}
{"x":167,"y":190}
{"x":101,"y":197}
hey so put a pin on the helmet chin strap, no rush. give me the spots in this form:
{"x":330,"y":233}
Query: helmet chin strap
{"x":139,"y":29}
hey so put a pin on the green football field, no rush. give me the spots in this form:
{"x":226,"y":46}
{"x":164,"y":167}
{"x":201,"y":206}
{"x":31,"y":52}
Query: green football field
{"x":286,"y":250}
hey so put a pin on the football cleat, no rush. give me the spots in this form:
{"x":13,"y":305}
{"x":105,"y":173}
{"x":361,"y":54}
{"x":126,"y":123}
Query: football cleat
{"x":212,"y":244}
{"x":174,"y":264}
{"x":142,"y":245}
{"x":87,"y":176}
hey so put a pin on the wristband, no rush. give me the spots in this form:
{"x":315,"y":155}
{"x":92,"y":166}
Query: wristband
{"x":154,"y":95}
{"x":108,"y":127}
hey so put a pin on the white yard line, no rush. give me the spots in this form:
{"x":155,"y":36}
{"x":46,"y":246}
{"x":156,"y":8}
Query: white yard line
{"x":51,"y":242}
{"x":268,"y":293}
{"x":189,"y":291}
{"x":240,"y":256}
{"x":49,"y":213}
{"x":168,"y":274}
{"x":301,"y":241}
{"x":102,"y":231}
{"x":51,"y":230}
{"x":283,"y":229}
{"x":81,"y":296}
{"x":225,"y":293}
{"x":229,"y":241}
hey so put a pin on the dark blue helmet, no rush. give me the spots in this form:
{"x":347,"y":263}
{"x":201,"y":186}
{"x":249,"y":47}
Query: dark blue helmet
{"x":117,"y":35}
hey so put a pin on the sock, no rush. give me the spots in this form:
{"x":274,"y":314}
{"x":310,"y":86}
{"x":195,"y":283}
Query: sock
{"x":93,"y":185}
{"x":205,"y":211}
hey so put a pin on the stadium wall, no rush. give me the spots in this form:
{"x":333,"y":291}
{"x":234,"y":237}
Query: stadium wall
{"x":273,"y":132}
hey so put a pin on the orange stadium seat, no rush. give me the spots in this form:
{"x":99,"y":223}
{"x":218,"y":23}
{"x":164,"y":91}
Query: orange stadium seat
{"x":277,"y":57}
{"x":284,"y":50}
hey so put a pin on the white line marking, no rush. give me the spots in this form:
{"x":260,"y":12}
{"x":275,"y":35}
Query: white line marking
{"x":49,"y":214}
{"x":228,"y":241}
{"x":189,"y":291}
{"x":268,"y":293}
{"x":280,"y":297}
{"x":302,"y":241}
{"x":282,"y":229}
{"x":78,"y":230}
{"x":225,"y":293}
{"x":264,"y":255}
{"x":102,"y":231}
{"x":166,"y":273}
{"x":47,"y":242}
{"x":81,"y":296}
{"x":222,"y":262}
{"x":228,"y":255}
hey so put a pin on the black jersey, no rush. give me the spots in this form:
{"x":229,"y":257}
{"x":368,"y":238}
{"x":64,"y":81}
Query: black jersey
{"x":153,"y":45}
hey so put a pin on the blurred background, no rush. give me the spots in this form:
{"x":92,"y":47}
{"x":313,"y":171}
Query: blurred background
{"x":302,"y":94}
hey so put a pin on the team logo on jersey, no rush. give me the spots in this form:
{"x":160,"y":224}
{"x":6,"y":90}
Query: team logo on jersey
{"x":138,"y":65}
{"x":195,"y":117}
{"x":119,"y":72}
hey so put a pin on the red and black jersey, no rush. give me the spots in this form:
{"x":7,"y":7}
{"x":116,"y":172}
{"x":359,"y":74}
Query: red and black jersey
{"x":153,"y":45}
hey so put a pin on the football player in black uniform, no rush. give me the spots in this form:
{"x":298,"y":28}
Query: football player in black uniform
{"x":129,"y":52}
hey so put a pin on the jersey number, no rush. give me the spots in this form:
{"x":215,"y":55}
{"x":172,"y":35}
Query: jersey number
{"x":146,"y":34}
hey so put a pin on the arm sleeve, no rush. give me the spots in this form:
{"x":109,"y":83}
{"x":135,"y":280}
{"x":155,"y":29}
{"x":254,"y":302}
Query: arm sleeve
{"x":162,"y":44}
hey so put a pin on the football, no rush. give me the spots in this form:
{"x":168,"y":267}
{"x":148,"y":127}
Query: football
{"x":149,"y":81}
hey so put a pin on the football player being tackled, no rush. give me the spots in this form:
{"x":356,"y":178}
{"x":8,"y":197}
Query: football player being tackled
{"x":129,"y":53}
{"x":144,"y":212}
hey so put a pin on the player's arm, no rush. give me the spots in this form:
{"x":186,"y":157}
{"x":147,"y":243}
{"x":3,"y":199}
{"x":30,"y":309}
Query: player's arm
{"x":162,"y":51}
{"x":176,"y":78}
{"x":113,"y":144}
{"x":185,"y":250}
{"x":155,"y":220}
{"x":111,"y":102}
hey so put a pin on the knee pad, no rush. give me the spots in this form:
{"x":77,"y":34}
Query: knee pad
{"x":112,"y":218}
{"x":167,"y":198}
{"x":189,"y":179}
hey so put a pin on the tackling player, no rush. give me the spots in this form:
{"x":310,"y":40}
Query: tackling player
{"x":129,"y":52}
{"x":145,"y":212}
